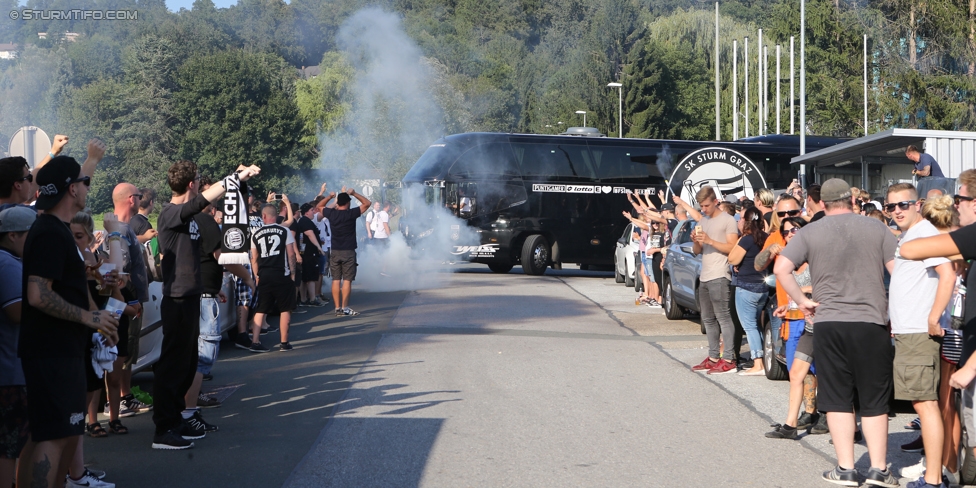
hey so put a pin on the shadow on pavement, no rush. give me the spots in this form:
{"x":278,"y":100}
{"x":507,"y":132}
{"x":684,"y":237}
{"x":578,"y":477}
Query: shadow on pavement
{"x":370,"y":457}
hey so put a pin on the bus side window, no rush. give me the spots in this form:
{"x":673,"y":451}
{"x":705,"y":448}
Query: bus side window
{"x":562,"y":160}
{"x":622,"y":163}
{"x":486,"y":159}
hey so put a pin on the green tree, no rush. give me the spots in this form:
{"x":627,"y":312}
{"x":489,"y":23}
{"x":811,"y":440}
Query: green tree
{"x":237,"y":108}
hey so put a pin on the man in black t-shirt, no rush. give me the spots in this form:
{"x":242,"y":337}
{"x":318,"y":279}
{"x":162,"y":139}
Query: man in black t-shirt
{"x":179,"y":245}
{"x":58,"y":319}
{"x":270,"y":256}
{"x":140,"y":221}
{"x":208,"y":344}
{"x":311,"y":249}
{"x":342,"y":259}
{"x":814,"y":207}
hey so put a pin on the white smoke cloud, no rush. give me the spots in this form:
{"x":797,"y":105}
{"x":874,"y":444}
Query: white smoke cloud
{"x":394,"y":117}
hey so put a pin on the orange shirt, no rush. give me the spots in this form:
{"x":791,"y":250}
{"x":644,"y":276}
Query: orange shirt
{"x":776,"y":238}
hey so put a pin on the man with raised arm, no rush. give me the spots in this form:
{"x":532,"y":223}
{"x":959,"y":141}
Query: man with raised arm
{"x":342,"y":262}
{"x":179,"y":245}
{"x":58,"y":319}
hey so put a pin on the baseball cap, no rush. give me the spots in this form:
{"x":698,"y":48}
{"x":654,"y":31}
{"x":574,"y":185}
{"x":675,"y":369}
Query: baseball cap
{"x":305,"y":208}
{"x":53,"y":180}
{"x":17,"y":219}
{"x":667,"y":207}
{"x":834,"y":189}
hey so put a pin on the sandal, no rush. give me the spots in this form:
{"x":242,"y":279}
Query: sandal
{"x":96,"y":430}
{"x":117,"y":428}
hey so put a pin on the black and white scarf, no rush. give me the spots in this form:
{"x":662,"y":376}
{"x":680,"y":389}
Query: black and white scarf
{"x":235,"y":242}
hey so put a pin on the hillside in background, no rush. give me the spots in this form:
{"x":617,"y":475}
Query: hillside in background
{"x":335,"y":84}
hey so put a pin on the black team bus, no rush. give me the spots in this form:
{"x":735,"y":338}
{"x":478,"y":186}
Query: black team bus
{"x":544,"y":200}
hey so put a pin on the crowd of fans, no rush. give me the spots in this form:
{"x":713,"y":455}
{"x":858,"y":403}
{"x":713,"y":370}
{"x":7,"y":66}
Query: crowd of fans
{"x":882,"y":284}
{"x":70,"y":295}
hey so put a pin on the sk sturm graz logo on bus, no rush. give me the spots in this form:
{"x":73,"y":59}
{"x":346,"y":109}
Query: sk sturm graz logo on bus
{"x":726,"y":170}
{"x":482,"y":251}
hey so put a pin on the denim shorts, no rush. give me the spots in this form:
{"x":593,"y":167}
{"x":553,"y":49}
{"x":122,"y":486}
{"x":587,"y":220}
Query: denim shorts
{"x":648,"y":263}
{"x":324,"y":264}
{"x":208,"y":344}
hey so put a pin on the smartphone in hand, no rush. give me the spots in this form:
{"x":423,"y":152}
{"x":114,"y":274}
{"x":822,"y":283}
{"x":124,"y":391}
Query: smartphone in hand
{"x":278,"y":196}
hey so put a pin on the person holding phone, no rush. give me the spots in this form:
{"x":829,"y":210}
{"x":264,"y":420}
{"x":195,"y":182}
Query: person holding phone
{"x":715,"y":236}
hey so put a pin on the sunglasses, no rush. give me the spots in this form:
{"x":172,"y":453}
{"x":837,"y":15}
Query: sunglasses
{"x":902,"y":205}
{"x":791,"y":213}
{"x":956,"y":199}
{"x":792,"y":230}
{"x":84,"y":179}
{"x":137,"y":195}
{"x":29,"y":178}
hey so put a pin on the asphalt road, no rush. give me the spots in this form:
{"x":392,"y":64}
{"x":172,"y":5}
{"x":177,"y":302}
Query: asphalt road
{"x":485,"y":380}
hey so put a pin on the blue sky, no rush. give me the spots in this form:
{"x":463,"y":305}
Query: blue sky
{"x":176,"y":5}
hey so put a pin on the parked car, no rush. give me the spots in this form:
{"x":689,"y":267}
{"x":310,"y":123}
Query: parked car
{"x":625,"y":258}
{"x":151,"y":337}
{"x":680,"y":293}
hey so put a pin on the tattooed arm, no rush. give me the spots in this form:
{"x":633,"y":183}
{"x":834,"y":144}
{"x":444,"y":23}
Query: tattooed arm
{"x":767,"y":256}
{"x":42,"y":296}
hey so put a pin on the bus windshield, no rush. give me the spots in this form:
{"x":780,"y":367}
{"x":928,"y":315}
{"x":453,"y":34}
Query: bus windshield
{"x":433,"y":164}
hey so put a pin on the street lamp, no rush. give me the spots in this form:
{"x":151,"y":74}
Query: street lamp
{"x":620,"y":108}
{"x":584,"y":116}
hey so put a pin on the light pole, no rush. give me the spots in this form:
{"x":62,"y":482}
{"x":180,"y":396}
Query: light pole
{"x":583,"y":112}
{"x":620,"y":108}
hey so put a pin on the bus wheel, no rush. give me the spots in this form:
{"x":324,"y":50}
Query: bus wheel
{"x":500,"y":268}
{"x":535,"y":255}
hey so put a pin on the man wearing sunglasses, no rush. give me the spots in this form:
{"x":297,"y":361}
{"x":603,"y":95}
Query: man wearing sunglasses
{"x":958,"y":244}
{"x":918,"y":295}
{"x":849,"y":307}
{"x":58,"y":320}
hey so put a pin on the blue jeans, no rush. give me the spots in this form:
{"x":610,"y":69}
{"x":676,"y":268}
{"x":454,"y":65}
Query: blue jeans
{"x":749,"y":306}
{"x":208,"y":345}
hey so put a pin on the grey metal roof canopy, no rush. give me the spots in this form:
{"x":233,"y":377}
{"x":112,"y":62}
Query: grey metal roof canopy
{"x":953,"y":149}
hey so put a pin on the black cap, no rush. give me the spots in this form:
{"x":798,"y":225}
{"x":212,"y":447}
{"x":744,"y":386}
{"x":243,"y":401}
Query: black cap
{"x":53,"y":180}
{"x":305,"y":208}
{"x":667,"y":207}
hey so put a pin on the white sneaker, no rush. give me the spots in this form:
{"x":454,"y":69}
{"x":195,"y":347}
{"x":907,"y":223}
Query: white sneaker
{"x":88,"y":480}
{"x":953,"y":478}
{"x":914,"y":471}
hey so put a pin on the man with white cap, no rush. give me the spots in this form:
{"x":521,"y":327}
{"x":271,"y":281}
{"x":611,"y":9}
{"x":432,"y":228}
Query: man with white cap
{"x":849,"y":307}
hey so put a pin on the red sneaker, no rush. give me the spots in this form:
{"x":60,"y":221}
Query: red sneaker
{"x":705,"y":365}
{"x":723,"y":367}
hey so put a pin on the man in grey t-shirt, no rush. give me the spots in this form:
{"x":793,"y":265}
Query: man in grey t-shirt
{"x":848,"y":254}
{"x":715,"y":236}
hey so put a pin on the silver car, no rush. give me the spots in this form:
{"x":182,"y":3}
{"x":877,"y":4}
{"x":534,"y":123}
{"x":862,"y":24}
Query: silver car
{"x":625,"y":257}
{"x":680,"y":292}
{"x":151,"y":337}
